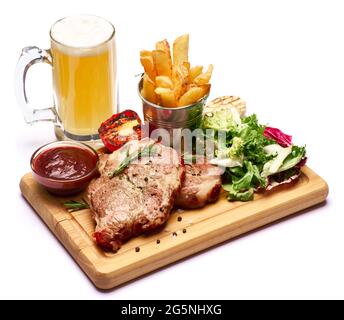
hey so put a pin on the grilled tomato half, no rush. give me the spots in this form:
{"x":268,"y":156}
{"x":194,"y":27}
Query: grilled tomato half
{"x":119,"y":129}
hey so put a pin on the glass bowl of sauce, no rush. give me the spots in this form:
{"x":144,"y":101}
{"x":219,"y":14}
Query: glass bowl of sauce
{"x":64,"y":168}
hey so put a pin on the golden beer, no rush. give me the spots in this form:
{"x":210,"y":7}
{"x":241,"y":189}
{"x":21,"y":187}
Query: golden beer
{"x":84,"y":74}
{"x":84,"y":87}
{"x":83,"y":60}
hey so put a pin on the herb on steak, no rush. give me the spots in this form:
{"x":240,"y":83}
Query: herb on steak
{"x":73,"y":205}
{"x":145,"y":152}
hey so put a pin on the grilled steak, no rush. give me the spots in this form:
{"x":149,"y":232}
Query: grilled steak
{"x":138,"y":199}
{"x":202,"y":185}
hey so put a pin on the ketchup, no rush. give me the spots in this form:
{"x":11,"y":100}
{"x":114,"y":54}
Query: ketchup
{"x":65,"y":163}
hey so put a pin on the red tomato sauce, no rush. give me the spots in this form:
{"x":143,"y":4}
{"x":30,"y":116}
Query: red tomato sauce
{"x":65,"y":163}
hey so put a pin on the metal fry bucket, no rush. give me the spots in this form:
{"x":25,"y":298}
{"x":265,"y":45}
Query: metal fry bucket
{"x":160,"y":117}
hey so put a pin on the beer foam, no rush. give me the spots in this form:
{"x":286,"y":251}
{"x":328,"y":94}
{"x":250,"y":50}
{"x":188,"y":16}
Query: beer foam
{"x":82,"y":31}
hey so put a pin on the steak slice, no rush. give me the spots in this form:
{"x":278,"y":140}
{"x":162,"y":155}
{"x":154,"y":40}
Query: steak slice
{"x":202,"y":185}
{"x":138,"y":199}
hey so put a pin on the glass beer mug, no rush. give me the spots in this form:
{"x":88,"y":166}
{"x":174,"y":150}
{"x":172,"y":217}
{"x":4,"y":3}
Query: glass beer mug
{"x":83,"y":60}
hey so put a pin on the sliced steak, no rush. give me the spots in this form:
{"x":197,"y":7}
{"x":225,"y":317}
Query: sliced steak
{"x":138,"y":199}
{"x":202,"y":185}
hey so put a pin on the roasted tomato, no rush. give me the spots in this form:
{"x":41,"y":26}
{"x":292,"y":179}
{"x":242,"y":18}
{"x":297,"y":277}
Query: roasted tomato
{"x":119,"y":129}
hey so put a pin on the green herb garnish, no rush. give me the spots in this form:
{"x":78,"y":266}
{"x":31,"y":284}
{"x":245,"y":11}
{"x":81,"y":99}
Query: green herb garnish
{"x":73,"y":205}
{"x":145,"y":152}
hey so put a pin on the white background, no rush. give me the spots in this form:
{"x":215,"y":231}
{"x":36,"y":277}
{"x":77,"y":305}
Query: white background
{"x":285,"y":58}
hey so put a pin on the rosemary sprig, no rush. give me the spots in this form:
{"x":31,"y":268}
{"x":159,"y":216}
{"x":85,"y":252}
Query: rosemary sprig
{"x":145,"y":152}
{"x":73,"y":205}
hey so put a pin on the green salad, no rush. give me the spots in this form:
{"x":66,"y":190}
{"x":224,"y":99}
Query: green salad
{"x":255,"y":157}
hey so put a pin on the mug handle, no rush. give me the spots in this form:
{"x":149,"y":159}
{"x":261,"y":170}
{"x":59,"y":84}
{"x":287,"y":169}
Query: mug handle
{"x":29,"y":57}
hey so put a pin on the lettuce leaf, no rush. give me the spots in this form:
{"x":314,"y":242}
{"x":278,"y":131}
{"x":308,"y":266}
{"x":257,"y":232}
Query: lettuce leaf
{"x":243,"y":181}
{"x":234,"y":195}
{"x":295,"y":157}
{"x":272,"y":166}
{"x":254,"y":141}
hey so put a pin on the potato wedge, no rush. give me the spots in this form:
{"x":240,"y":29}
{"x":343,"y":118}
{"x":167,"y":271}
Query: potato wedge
{"x":195,"y":72}
{"x":148,"y":88}
{"x":161,"y":63}
{"x":167,"y":97}
{"x":163,"y":82}
{"x":181,"y":50}
{"x":204,"y":77}
{"x":191,"y":96}
{"x":147,"y":62}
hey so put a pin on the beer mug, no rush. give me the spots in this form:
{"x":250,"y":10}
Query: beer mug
{"x":83,"y":60}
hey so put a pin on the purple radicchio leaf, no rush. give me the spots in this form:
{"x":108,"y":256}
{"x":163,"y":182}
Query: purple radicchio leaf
{"x":284,"y":140}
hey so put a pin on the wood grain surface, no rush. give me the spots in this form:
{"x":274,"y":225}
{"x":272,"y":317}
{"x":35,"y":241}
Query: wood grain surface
{"x":195,"y":230}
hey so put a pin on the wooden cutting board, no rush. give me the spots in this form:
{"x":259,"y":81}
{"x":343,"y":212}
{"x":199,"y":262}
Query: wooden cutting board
{"x":185,"y":233}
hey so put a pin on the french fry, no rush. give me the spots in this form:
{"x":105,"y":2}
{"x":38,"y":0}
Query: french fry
{"x":191,"y":96}
{"x":165,"y":46}
{"x":161,"y":63}
{"x":189,"y":86}
{"x":182,"y":72}
{"x":171,"y":82}
{"x":148,"y":88}
{"x":181,"y":50}
{"x":178,"y":87}
{"x":180,"y":77}
{"x":145,"y":53}
{"x":164,"y":82}
{"x":147,"y":62}
{"x":204,"y":77}
{"x":186,"y":66}
{"x":195,"y":72}
{"x":205,"y":88}
{"x":167,"y":97}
